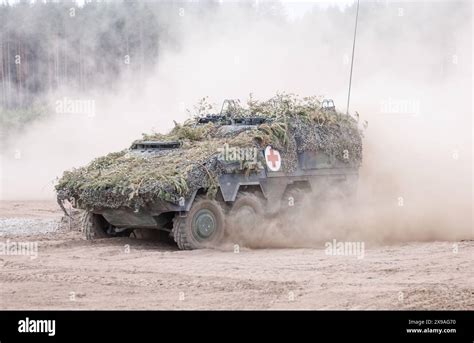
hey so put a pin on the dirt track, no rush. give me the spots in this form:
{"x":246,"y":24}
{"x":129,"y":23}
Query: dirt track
{"x":124,"y":273}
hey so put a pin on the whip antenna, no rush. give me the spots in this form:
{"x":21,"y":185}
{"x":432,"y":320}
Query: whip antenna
{"x":352,"y":60}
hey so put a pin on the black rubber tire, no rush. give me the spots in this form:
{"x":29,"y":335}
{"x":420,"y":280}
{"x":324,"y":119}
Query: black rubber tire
{"x":248,"y":199}
{"x":182,"y":226}
{"x":298,"y":194}
{"x":292,"y":210}
{"x":243,"y":232}
{"x":94,"y":226}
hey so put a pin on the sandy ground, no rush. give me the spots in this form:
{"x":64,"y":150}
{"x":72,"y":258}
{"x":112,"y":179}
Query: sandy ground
{"x":125,"y":273}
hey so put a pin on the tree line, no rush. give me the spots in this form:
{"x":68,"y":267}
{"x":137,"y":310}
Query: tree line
{"x":47,"y":45}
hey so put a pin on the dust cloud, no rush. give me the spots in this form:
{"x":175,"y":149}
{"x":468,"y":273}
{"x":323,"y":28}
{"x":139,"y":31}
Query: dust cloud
{"x":412,"y":83}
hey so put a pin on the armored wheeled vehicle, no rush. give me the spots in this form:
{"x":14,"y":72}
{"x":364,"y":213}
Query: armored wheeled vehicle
{"x":217,"y":172}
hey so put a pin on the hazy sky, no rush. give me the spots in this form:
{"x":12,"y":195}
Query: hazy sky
{"x":295,"y":8}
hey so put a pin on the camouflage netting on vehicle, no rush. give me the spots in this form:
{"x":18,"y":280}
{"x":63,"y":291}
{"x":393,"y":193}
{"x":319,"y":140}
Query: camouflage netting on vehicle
{"x":291,"y":125}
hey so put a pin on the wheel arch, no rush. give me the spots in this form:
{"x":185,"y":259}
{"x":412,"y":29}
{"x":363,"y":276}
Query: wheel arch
{"x":231,"y":184}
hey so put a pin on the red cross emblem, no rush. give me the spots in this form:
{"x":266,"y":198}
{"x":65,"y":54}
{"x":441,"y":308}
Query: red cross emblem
{"x":272,"y":157}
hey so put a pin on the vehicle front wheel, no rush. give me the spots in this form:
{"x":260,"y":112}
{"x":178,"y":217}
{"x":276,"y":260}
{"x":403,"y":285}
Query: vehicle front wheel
{"x":203,"y":227}
{"x":94,"y":226}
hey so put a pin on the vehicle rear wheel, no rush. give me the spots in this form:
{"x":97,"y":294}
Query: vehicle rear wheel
{"x":245,"y":219}
{"x":94,"y":226}
{"x":293,"y":197}
{"x":203,"y":227}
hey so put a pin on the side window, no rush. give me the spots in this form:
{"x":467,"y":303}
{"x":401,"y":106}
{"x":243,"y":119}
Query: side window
{"x":314,"y":160}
